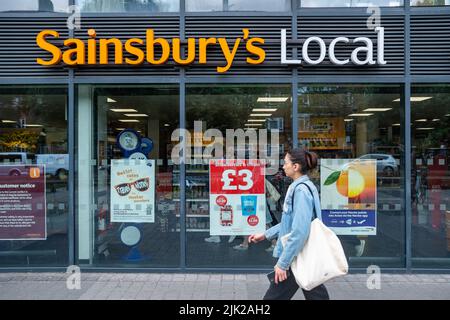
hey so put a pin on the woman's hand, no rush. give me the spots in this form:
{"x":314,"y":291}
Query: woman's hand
{"x":255,"y":238}
{"x":280,"y":274}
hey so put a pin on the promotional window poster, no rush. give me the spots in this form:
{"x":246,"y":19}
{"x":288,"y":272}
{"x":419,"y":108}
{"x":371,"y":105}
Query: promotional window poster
{"x":133,"y":191}
{"x":237,"y":197}
{"x":22,"y":202}
{"x":349,"y":196}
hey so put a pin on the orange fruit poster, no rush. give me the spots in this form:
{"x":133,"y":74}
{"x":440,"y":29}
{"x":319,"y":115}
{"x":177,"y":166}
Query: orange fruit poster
{"x":349,"y":195}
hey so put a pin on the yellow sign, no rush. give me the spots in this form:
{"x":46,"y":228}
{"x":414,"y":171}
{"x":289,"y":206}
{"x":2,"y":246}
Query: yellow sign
{"x":322,"y":133}
{"x":79,"y":53}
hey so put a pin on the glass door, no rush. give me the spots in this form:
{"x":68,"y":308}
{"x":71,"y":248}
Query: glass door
{"x":127,"y":194}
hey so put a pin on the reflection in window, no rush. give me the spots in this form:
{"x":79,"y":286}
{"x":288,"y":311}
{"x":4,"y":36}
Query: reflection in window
{"x":360,"y":122}
{"x":430,"y":189}
{"x":237,"y":5}
{"x":34,"y":5}
{"x":33,"y":134}
{"x":204,"y":5}
{"x":430,"y":3}
{"x":129,"y":5}
{"x":259,"y":5}
{"x":350,"y":3}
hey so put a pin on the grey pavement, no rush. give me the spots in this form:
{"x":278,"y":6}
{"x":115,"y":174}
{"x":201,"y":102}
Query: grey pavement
{"x":210,"y":286}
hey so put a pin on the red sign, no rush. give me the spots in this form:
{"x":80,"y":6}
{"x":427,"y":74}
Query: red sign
{"x":164,"y":182}
{"x":22,"y":203}
{"x":253,"y":220}
{"x":221,"y":201}
{"x":236,"y":177}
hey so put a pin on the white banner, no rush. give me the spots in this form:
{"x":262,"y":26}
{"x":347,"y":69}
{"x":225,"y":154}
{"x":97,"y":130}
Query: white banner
{"x":133,"y":191}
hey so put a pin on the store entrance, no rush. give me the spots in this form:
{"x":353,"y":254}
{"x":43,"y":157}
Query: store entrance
{"x":134,"y":179}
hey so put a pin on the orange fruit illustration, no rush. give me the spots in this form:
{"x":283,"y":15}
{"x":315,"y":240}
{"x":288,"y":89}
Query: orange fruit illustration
{"x":350,"y":183}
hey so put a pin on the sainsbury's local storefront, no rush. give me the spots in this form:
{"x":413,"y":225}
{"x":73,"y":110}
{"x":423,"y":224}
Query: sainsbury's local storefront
{"x":353,"y":84}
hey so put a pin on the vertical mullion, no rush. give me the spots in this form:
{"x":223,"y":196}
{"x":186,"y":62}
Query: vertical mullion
{"x":408,"y":142}
{"x":183,"y":171}
{"x":71,"y":150}
{"x":294,"y":76}
{"x":182,"y":110}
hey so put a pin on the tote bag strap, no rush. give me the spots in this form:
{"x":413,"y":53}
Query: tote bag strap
{"x":312,"y":195}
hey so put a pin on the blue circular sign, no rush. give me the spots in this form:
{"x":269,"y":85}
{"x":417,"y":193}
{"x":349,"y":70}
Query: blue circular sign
{"x":146,"y":145}
{"x":129,"y":141}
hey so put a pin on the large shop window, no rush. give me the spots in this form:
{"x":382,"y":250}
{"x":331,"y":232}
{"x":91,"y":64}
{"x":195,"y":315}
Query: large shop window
{"x":430,"y":3}
{"x":239,"y":121}
{"x":238,"y":5}
{"x":34,"y":164}
{"x":129,"y":5}
{"x":357,"y":132}
{"x":430,"y":138}
{"x":349,"y":3}
{"x":34,"y":5}
{"x":127,"y":195}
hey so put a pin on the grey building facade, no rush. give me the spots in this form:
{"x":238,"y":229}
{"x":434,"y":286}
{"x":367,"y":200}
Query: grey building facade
{"x":68,"y":118}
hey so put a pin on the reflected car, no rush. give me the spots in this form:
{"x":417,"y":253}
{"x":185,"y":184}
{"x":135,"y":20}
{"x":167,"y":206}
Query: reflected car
{"x":386,"y":163}
{"x":56,"y":165}
{"x":11,"y":159}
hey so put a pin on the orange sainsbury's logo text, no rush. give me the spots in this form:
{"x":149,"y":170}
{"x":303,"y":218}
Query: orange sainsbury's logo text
{"x":153,"y":50}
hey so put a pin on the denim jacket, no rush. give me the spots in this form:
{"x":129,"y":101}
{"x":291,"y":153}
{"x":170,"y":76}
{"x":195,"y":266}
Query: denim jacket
{"x":295,"y":219}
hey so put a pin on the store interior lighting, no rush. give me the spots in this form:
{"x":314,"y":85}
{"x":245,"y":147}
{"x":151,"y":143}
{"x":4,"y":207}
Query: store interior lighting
{"x":136,"y":115}
{"x":360,"y":115}
{"x":415,"y":99}
{"x":263,"y":110}
{"x":123,"y":110}
{"x":129,"y":120}
{"x":272,"y":99}
{"x":377,"y":109}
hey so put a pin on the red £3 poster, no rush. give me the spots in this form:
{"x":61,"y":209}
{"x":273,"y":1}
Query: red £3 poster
{"x":237,"y":197}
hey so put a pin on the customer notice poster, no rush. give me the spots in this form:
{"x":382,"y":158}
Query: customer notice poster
{"x":22,"y":202}
{"x":237,"y":199}
{"x":133,"y":191}
{"x":349,"y":195}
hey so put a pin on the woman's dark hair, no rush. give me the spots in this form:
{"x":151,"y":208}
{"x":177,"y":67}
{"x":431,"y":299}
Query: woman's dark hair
{"x":306,"y":159}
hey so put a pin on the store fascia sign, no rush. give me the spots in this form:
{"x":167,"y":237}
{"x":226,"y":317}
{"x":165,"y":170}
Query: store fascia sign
{"x":80,"y":53}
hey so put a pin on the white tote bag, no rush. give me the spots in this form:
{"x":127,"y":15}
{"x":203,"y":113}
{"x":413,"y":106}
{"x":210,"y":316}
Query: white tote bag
{"x":321,"y":259}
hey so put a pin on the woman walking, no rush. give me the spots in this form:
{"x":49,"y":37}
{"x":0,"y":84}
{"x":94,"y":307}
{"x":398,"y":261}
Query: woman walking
{"x":302,"y":198}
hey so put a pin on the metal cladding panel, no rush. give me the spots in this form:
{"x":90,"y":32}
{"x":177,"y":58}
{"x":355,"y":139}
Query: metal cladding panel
{"x":124,"y":28}
{"x":430,"y":45}
{"x":329,"y":28}
{"x":266,"y":27}
{"x":18,"y":48}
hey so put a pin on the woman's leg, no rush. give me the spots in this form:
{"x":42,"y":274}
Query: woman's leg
{"x":284,"y":290}
{"x":318,"y":293}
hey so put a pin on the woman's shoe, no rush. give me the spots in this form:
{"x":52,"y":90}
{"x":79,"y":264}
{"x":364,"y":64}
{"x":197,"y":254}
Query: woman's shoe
{"x":240,"y":247}
{"x":359,"y":249}
{"x":213,"y":239}
{"x":270,"y":249}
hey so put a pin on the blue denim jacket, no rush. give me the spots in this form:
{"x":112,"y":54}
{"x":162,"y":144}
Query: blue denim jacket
{"x":296,"y":220}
